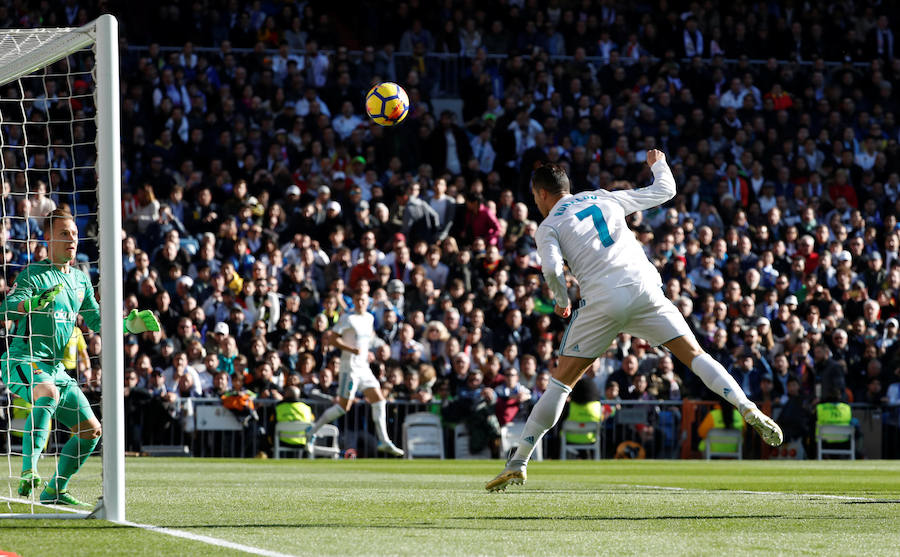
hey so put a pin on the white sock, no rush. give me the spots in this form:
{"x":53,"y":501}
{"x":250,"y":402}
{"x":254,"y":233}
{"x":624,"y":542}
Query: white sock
{"x":379,"y":416}
{"x":720,"y":382}
{"x":328,"y":416}
{"x":543,"y":416}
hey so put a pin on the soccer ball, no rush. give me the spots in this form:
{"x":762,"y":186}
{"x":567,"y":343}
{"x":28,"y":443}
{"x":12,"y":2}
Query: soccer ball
{"x":387,"y":104}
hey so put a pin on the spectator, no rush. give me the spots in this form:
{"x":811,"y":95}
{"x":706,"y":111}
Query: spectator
{"x":511,"y":398}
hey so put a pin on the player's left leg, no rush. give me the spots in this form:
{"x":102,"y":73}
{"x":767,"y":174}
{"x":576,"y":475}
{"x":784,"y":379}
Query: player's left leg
{"x":543,"y":416}
{"x":591,"y":329}
{"x":347,"y":387}
{"x":74,"y":411}
{"x":379,"y":416}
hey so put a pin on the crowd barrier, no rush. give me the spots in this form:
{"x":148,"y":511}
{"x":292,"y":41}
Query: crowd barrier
{"x":202,"y":427}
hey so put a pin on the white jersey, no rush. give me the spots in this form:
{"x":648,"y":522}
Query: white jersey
{"x":356,"y":330}
{"x":589,"y":231}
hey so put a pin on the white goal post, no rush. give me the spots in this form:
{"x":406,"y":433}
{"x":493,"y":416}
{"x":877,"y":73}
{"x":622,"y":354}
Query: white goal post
{"x":24,"y":52}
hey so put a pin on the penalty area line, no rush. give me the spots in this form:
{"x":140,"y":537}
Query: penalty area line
{"x":204,"y":539}
{"x":750,"y":492}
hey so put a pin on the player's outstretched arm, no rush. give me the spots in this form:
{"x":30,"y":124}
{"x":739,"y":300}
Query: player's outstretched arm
{"x":140,"y":322}
{"x":661,"y":190}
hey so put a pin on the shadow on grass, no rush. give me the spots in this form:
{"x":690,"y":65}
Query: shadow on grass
{"x":101,"y":525}
{"x":584,"y":517}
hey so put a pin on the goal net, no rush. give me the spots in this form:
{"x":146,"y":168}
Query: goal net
{"x":60,"y":148}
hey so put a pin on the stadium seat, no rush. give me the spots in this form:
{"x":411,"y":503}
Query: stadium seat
{"x":836,"y":431}
{"x":566,"y":448}
{"x":423,"y":436}
{"x":509,"y":437}
{"x":326,"y":442}
{"x":724,"y":437}
{"x":288,"y":427}
{"x":461,"y":445}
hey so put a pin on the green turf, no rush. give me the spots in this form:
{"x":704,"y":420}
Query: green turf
{"x":431,"y":507}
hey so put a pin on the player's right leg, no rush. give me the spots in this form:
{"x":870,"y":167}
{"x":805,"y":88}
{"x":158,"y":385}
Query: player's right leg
{"x":719,"y":381}
{"x":34,"y":385}
{"x":656,"y":319}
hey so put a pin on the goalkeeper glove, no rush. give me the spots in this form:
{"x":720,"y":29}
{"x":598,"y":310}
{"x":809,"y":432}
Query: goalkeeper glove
{"x":42,"y":300}
{"x":140,"y":322}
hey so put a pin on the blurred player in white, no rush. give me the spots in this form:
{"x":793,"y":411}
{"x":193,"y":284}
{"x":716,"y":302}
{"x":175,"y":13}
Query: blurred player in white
{"x":620,"y":292}
{"x":353,"y":334}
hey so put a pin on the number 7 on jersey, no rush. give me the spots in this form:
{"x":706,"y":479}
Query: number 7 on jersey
{"x":599,"y":223}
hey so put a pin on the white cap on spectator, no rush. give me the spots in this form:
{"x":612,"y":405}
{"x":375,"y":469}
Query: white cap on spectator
{"x":293,"y":190}
{"x":186,"y":280}
{"x":395,"y":286}
{"x":890,"y":321}
{"x":221,"y":328}
{"x":791,"y":300}
{"x":844,"y":256}
{"x":333,"y":206}
{"x":323,"y":190}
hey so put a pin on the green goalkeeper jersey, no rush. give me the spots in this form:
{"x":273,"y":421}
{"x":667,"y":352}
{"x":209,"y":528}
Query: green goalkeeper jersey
{"x":43,"y":335}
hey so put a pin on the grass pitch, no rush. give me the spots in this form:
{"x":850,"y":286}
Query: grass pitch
{"x":440,"y":508}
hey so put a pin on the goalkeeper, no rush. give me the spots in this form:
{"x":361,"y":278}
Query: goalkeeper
{"x":45,"y":301}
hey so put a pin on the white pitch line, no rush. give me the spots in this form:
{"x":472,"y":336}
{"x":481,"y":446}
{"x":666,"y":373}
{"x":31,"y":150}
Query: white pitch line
{"x":80,"y":513}
{"x":204,"y":539}
{"x":149,"y":527}
{"x":750,"y":492}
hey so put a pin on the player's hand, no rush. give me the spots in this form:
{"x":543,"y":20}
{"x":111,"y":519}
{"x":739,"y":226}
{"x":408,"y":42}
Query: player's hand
{"x":563,"y":312}
{"x":654,"y":155}
{"x":42,"y":300}
{"x":140,"y":322}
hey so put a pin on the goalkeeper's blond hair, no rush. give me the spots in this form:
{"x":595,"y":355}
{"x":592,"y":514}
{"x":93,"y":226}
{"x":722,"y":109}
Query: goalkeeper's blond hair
{"x":55,"y":215}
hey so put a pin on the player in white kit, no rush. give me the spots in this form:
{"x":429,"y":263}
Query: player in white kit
{"x":621,"y":291}
{"x":353,"y":334}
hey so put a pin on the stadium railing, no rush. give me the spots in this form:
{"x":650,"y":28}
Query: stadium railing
{"x":636,"y":429}
{"x":446,"y":70}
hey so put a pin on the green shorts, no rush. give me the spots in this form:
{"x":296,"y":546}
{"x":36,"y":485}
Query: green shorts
{"x":21,"y":375}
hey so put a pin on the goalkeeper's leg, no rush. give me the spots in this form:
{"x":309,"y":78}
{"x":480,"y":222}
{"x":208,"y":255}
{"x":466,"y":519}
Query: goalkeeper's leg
{"x":31,"y":384}
{"x":74,"y":412}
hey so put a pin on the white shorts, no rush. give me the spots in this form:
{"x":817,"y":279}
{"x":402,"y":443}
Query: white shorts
{"x":351,"y":381}
{"x":637,"y":309}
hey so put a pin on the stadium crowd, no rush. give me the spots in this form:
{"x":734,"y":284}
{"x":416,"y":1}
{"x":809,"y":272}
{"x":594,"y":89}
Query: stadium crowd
{"x":258,"y":196}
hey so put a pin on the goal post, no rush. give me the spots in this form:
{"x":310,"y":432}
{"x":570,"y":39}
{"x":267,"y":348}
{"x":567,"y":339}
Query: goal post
{"x":28,"y":52}
{"x":109,"y":216}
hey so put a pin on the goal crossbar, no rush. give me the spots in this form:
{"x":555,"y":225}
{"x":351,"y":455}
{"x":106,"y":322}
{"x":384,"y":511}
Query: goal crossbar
{"x":25,"y":51}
